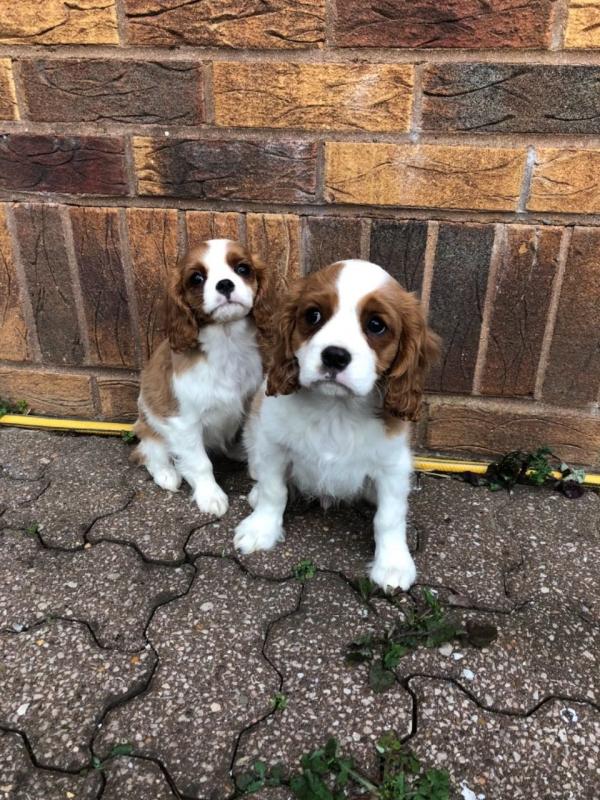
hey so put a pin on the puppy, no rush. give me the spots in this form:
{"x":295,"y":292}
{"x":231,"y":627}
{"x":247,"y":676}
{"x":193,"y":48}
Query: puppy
{"x":349,"y":358}
{"x":196,"y":386}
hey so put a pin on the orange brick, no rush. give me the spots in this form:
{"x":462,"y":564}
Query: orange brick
{"x":566,"y":180}
{"x":369,"y":97}
{"x":430,"y":176}
{"x":55,"y":394}
{"x":13,"y":330}
{"x":583,"y":24}
{"x":202,"y":225}
{"x":275,"y":238}
{"x":8,"y":100}
{"x":118,"y":398}
{"x":59,"y":22}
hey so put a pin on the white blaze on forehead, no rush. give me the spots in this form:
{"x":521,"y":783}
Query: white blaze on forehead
{"x":215,"y":253}
{"x":357,"y":279}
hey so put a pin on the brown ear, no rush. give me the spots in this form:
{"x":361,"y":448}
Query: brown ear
{"x":182,"y":325}
{"x":282,"y":373}
{"x":417,"y":350}
{"x":263,"y":306}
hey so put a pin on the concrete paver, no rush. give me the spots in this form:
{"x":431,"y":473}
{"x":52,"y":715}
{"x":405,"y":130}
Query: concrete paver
{"x":135,"y":779}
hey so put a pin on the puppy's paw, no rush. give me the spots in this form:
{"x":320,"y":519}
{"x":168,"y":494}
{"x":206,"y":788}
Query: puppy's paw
{"x":257,"y":532}
{"x":400,"y":574}
{"x":211,"y":499}
{"x":253,"y":496}
{"x":168,"y":479}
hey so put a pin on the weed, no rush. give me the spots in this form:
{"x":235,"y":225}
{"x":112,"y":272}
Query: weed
{"x":117,"y":750}
{"x":326,"y":774}
{"x":32,"y":529}
{"x":128,"y":437}
{"x":304,"y":570}
{"x":279,"y":702}
{"x":20,"y":407}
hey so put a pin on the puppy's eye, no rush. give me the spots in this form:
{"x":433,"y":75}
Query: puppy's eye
{"x":242,"y":269}
{"x":197,"y":279}
{"x":376,"y":325}
{"x":312,"y":316}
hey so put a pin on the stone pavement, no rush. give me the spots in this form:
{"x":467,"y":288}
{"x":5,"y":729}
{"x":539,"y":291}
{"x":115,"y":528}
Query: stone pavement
{"x":126,"y":618}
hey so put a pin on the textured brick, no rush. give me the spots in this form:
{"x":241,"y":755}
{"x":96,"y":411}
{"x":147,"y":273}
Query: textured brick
{"x":493,"y":429}
{"x":583,"y":24}
{"x":49,"y":393}
{"x":329,"y":239}
{"x":8,"y":100}
{"x":520,"y":303}
{"x":95,"y":90}
{"x":278,"y":24}
{"x":443,"y":23}
{"x":458,"y":289}
{"x":202,"y":225}
{"x":431,"y":176}
{"x":277,"y":172}
{"x":13,"y":329}
{"x":153,"y":249}
{"x":399,"y":246}
{"x":566,"y":180}
{"x":58,"y":22}
{"x":73,"y":165}
{"x":369,"y":97}
{"x":275,"y":238}
{"x":573,"y":372}
{"x":105,"y":303}
{"x":118,"y":398}
{"x":516,"y":98}
{"x":44,"y":256}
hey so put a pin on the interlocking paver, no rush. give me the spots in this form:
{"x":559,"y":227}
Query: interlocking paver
{"x":135,"y":779}
{"x":325,"y":696}
{"x":56,"y":682}
{"x":15,"y":493}
{"x":108,"y":586}
{"x":554,"y":753}
{"x":212,"y":679}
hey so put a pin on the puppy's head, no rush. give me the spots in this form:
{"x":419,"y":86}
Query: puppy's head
{"x":217,"y":282}
{"x":349,"y":329}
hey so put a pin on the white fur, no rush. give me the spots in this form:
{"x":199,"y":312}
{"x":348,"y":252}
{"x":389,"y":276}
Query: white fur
{"x":333,"y":444}
{"x":217,"y":268}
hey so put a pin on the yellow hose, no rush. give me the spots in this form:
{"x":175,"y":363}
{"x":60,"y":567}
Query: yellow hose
{"x":119,"y":428}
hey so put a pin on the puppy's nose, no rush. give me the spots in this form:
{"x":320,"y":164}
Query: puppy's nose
{"x":336,"y":357}
{"x":225,"y":287}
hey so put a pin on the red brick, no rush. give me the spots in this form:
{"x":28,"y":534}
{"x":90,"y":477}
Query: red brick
{"x":51,"y":393}
{"x":14,"y":345}
{"x":329,"y":239}
{"x":573,"y":371}
{"x":520,"y":303}
{"x":443,"y":23}
{"x":202,"y":225}
{"x":399,"y":246}
{"x":118,"y":398}
{"x":70,"y":165}
{"x":99,"y":257}
{"x":46,"y":263}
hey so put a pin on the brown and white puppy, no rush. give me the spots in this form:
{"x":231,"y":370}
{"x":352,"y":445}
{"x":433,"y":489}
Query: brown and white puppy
{"x":196,"y":386}
{"x":349,"y":359}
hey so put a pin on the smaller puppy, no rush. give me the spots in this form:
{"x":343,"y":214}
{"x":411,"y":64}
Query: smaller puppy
{"x":196,"y":386}
{"x":349,"y":359}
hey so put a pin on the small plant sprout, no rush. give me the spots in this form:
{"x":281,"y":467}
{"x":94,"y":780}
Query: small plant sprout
{"x":128,"y":437}
{"x":32,"y":529}
{"x":279,"y":702}
{"x":304,"y":570}
{"x":19,"y":407}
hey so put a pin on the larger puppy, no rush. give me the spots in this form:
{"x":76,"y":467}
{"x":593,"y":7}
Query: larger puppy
{"x":350,"y":354}
{"x":196,"y":386}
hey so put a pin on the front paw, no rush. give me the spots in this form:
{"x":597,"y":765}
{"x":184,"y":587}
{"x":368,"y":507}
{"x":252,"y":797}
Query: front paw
{"x":397,"y":574}
{"x":211,"y":500}
{"x":257,"y":532}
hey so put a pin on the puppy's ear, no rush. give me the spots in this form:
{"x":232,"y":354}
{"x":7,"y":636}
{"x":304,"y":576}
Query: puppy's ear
{"x":418,"y":348}
{"x":283,"y":370}
{"x":182,"y":325}
{"x":263,"y":306}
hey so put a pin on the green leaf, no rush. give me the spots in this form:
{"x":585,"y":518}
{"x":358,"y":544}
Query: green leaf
{"x":32,"y":529}
{"x":124,"y":749}
{"x":279,"y":701}
{"x":393,"y":654}
{"x":304,"y":570}
{"x":366,"y":587}
{"x":96,"y":763}
{"x":128,"y":437}
{"x":380,"y":678}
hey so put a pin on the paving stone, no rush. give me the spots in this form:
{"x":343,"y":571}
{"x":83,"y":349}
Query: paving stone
{"x":108,"y":586}
{"x":462,"y":543}
{"x":20,"y":780}
{"x":554,"y":753}
{"x":325,"y":697}
{"x":27,"y":455}
{"x":87,"y":480}
{"x":542,"y":649}
{"x":135,"y":779}
{"x":56,"y":682}
{"x":212,"y":679}
{"x":15,"y":493}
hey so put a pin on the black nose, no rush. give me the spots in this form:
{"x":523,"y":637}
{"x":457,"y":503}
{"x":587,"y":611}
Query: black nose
{"x":336,"y":357}
{"x":225,"y":287}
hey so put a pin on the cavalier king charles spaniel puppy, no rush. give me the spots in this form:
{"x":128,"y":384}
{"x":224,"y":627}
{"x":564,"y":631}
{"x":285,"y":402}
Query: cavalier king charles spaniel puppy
{"x":349,"y":357}
{"x":197,"y":384}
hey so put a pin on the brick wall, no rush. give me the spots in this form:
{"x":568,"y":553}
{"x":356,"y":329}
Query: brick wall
{"x":456,"y":142}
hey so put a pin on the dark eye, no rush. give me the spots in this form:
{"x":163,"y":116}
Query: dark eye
{"x":312,"y":316}
{"x":197,"y":279}
{"x":376,"y":325}
{"x":242,"y":269}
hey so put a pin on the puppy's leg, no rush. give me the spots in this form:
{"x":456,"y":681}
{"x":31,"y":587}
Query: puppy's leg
{"x":195,"y":466}
{"x":152,"y":451}
{"x":264,"y":527}
{"x":393,"y":566}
